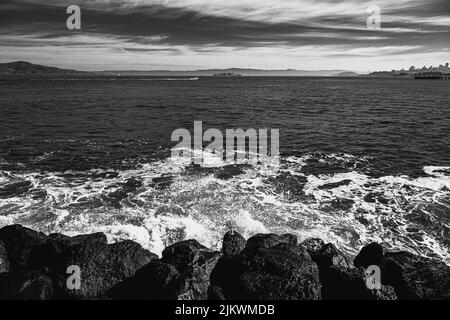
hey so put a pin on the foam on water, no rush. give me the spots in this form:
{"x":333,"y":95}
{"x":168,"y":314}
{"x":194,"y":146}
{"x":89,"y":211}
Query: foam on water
{"x":169,"y":200}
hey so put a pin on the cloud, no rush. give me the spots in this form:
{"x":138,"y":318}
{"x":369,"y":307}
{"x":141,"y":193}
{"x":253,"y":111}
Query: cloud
{"x":193,"y":27}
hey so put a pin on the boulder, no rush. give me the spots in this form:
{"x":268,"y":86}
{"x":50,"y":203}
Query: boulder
{"x":415,"y":277}
{"x":342,"y":283}
{"x":233,"y":244}
{"x":261,"y":241}
{"x":102,"y":266}
{"x":49,"y":253}
{"x":195,"y":264}
{"x":215,"y":293}
{"x":329,"y":256}
{"x":281,"y":272}
{"x":4,"y":263}
{"x":19,"y":242}
{"x":313,"y":246}
{"x":155,"y":281}
{"x":66,"y":241}
{"x":26,"y":285}
{"x":372,"y":254}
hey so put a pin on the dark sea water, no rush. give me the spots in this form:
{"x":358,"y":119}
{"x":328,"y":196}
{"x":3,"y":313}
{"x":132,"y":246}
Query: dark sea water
{"x":362,"y":160}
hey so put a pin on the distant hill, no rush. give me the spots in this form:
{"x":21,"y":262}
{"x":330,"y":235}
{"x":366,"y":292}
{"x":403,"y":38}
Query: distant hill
{"x":243,"y":72}
{"x":27,"y":68}
{"x":348,"y":74}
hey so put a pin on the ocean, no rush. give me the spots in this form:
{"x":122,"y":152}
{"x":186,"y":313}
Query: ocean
{"x":362,"y":159}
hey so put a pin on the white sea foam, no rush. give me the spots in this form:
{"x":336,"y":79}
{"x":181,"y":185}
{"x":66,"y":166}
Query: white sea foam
{"x":200,"y":205}
{"x":247,"y":226}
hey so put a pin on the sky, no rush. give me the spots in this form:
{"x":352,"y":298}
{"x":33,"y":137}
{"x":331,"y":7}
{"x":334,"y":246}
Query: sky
{"x":203,"y":34}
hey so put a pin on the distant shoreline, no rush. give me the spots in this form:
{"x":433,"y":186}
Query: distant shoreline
{"x":27,"y":70}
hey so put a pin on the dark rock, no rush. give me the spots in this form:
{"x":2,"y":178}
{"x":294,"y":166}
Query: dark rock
{"x":155,"y":281}
{"x":313,"y":246}
{"x":289,"y":185}
{"x":280,"y":272}
{"x":233,"y":244}
{"x":385,"y":293}
{"x":67,"y":241}
{"x":4,"y":263}
{"x":48,"y":254}
{"x":297,"y":250}
{"x":26,"y":285}
{"x":102,"y":266}
{"x":186,"y":254}
{"x":195,"y":264}
{"x":329,"y":256}
{"x":215,"y":293}
{"x":415,"y":277}
{"x":19,"y":241}
{"x":372,"y":254}
{"x":261,"y":241}
{"x":342,"y":283}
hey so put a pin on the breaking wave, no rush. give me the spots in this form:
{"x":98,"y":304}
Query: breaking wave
{"x":164,"y":201}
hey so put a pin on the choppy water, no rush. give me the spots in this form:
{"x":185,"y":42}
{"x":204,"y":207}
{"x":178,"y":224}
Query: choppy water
{"x":362,"y":160}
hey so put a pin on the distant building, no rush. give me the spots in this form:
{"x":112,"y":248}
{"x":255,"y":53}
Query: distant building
{"x":442,"y":70}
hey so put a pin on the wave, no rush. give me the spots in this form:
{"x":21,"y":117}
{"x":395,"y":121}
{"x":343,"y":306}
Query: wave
{"x":169,"y":200}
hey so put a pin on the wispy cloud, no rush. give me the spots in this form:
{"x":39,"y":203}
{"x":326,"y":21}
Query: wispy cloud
{"x":208,"y":33}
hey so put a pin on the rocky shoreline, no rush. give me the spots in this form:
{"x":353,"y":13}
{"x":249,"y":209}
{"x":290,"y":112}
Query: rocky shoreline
{"x":264,"y":267}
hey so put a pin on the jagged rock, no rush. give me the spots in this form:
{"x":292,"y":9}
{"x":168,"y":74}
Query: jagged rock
{"x":297,"y":250}
{"x":329,"y":256}
{"x":281,"y":272}
{"x":4,"y":263}
{"x":187,"y":255}
{"x":267,"y":266}
{"x":66,"y":241}
{"x":155,"y":281}
{"x":342,"y":283}
{"x":415,"y":277}
{"x":102,"y":266}
{"x":372,"y":254}
{"x":385,"y":293}
{"x":215,"y":293}
{"x":195,"y":264}
{"x":48,"y":254}
{"x":261,"y":241}
{"x":313,"y":246}
{"x":233,"y":244}
{"x":26,"y":285}
{"x":19,"y":241}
